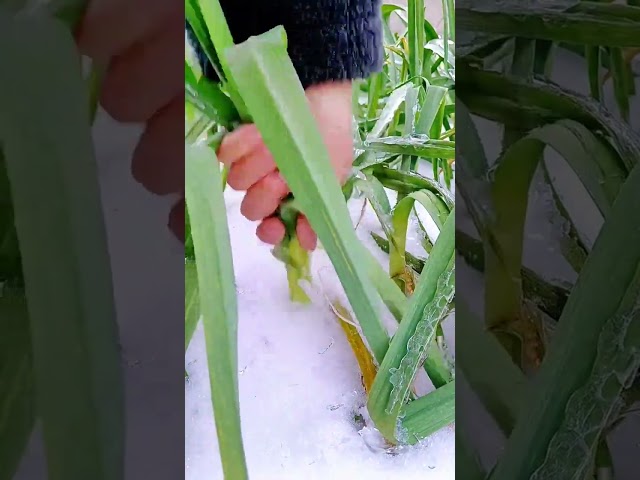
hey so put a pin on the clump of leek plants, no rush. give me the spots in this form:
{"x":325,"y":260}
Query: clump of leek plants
{"x":579,"y":339}
{"x":404,"y":120}
{"x":59,"y":350}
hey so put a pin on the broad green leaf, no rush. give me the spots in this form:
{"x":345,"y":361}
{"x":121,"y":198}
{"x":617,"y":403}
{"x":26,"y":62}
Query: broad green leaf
{"x":210,"y":99}
{"x":434,"y":98}
{"x":620,"y":81}
{"x":388,"y":8}
{"x":271,"y":90}
{"x":411,"y":110}
{"x":197,"y":128}
{"x":408,"y":182}
{"x":593,"y":160}
{"x":194,"y":18}
{"x":221,"y":39}
{"x":593,"y":406}
{"x":437,"y":368}
{"x":416,"y":37}
{"x":289,"y":250}
{"x":190,"y":79}
{"x":548,"y":24}
{"x":522,"y":65}
{"x":17,"y":395}
{"x":389,"y":292}
{"x":442,"y":49}
{"x":436,"y":209}
{"x":428,"y":414}
{"x":377,"y":198}
{"x":571,"y":244}
{"x":191,"y":301}
{"x":376,"y":85}
{"x":389,"y":39}
{"x":472,"y":167}
{"x":72,"y":315}
{"x":394,"y":102}
{"x":414,"y":262}
{"x":592,"y":55}
{"x":217,"y":301}
{"x":470,"y":147}
{"x":413,"y":145}
{"x":449,"y":17}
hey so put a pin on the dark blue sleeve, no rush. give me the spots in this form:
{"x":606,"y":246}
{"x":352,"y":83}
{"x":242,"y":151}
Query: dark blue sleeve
{"x":328,"y":39}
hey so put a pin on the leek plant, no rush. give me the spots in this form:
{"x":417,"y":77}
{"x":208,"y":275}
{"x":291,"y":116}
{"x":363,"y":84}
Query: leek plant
{"x":579,"y":340}
{"x":60,"y":358}
{"x":404,"y":136}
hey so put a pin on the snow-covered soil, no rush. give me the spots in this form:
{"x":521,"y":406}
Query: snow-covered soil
{"x":299,"y":382}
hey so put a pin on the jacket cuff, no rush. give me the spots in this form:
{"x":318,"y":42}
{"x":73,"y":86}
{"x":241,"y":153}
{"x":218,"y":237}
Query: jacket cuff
{"x":335,"y":40}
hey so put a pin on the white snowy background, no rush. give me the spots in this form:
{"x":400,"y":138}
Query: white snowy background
{"x":299,"y":381}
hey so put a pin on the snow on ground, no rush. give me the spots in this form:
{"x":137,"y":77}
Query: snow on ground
{"x":299,"y":383}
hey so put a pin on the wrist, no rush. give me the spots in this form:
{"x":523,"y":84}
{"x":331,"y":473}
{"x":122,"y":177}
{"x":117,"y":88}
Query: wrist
{"x":332,"y":106}
{"x":332,"y":99}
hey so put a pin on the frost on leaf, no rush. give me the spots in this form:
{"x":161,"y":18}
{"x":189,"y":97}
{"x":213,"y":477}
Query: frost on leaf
{"x":595,"y":405}
{"x":416,"y":354}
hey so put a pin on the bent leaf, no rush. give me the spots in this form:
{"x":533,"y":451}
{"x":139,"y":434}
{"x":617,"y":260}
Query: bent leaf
{"x":74,"y":332}
{"x":217,"y":300}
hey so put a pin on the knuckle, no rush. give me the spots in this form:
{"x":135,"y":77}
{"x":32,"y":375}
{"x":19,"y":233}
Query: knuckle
{"x":275,"y":185}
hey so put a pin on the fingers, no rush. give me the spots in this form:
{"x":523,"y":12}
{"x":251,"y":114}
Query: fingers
{"x":146,"y":76}
{"x":263,"y":198}
{"x":306,"y":236}
{"x":271,"y":230}
{"x":157,"y":161}
{"x":253,"y":169}
{"x":250,"y":169}
{"x":239,"y":143}
{"x":109,"y":27}
{"x":247,"y":156}
{"x":176,"y":219}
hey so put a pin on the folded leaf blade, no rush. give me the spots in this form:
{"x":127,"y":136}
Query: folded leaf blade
{"x":270,"y":88}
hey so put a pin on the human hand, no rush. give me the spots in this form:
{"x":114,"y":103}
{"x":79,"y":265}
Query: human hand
{"x":141,"y":42}
{"x":252,"y":168}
